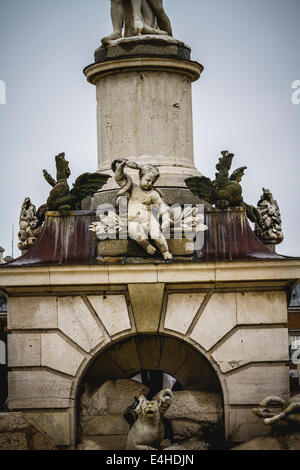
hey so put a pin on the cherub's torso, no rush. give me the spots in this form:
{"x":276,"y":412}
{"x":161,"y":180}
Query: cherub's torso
{"x":139,"y":204}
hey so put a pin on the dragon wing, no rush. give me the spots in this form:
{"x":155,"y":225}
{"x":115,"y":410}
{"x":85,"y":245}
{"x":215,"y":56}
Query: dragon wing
{"x":202,"y":187}
{"x":88,"y":184}
{"x":238,"y":174}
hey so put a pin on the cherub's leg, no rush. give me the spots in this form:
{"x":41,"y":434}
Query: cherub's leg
{"x":139,"y":234}
{"x":158,"y":238}
{"x":117,"y":18}
{"x":162,"y":18}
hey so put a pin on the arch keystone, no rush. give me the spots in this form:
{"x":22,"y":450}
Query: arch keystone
{"x":146,"y":301}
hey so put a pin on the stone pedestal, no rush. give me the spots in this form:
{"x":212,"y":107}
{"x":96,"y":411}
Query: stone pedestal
{"x":144,"y":105}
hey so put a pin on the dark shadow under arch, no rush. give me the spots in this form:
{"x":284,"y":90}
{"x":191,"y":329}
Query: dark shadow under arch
{"x":144,"y":352}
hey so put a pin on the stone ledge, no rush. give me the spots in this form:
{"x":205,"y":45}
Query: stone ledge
{"x":189,"y":69}
{"x":261,"y":273}
{"x":143,"y":46}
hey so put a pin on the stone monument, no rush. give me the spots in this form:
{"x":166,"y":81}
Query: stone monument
{"x":87,"y":315}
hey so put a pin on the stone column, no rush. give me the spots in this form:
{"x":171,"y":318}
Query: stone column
{"x":144,"y":105}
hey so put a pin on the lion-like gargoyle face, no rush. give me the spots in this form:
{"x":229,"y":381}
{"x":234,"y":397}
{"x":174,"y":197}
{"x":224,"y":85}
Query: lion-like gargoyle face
{"x":159,"y":405}
{"x":146,"y":408}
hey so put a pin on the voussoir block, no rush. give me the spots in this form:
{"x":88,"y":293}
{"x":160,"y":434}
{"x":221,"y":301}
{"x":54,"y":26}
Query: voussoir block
{"x":76,"y":321}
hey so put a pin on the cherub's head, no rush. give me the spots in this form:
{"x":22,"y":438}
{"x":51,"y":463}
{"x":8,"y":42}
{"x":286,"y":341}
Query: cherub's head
{"x":149,"y":174}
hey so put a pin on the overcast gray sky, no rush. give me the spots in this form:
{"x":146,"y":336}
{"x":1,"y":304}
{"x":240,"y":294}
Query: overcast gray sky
{"x":242,"y":103}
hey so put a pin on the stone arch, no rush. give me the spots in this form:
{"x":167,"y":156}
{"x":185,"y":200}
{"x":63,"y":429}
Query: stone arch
{"x":127,"y":356}
{"x":130,"y":354}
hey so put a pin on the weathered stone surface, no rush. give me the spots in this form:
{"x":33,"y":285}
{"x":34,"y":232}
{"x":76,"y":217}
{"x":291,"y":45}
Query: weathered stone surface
{"x":197,"y":374}
{"x":181,"y":310}
{"x":191,"y":444}
{"x":293,"y":441}
{"x":105,"y":369}
{"x":38,"y":389}
{"x":173,"y":355}
{"x":148,"y":45}
{"x":12,"y":422}
{"x":112,"y":398}
{"x":281,"y":438}
{"x":217,"y":319}
{"x":164,"y":94}
{"x":260,"y":443}
{"x":120,"y":394}
{"x":181,"y":247}
{"x":115,"y":248}
{"x":249,"y":345}
{"x":55,"y":424}
{"x":19,"y":433}
{"x":196,"y":406}
{"x":24,"y":350}
{"x":41,"y":442}
{"x":184,"y":428}
{"x":13,"y":441}
{"x":103,"y":443}
{"x":253,"y":384}
{"x":126,"y":357}
{"x":112,"y":311}
{"x":261,"y":307}
{"x":146,"y":301}
{"x":60,"y":355}
{"x":103,"y":425}
{"x":244,"y":425}
{"x":32,"y":312}
{"x":76,"y":321}
{"x":149,"y":351}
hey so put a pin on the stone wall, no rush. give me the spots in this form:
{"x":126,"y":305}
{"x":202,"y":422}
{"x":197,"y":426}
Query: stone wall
{"x":56,"y":337}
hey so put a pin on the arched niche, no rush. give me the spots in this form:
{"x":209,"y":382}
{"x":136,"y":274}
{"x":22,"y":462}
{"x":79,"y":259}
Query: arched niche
{"x":128,"y":357}
{"x":135,"y":356}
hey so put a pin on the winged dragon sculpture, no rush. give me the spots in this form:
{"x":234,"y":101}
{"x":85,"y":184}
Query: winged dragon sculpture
{"x":225,"y":191}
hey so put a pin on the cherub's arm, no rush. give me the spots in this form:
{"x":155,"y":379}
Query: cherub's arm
{"x":164,"y":209}
{"x":122,"y":179}
{"x":120,"y":176}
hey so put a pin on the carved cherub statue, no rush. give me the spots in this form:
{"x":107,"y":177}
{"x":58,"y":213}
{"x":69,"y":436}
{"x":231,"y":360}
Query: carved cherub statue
{"x":142,"y":198}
